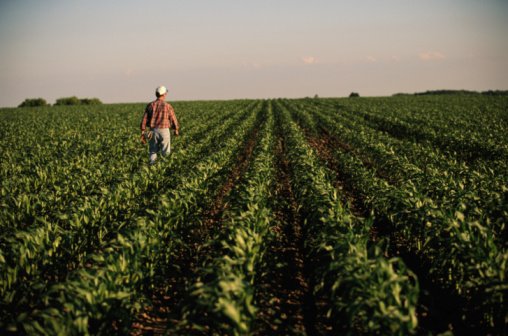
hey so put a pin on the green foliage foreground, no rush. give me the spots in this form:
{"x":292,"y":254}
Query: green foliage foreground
{"x":398,"y":199}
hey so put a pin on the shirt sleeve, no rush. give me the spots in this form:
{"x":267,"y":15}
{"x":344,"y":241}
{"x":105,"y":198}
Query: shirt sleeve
{"x":172,"y":118}
{"x":145,"y":118}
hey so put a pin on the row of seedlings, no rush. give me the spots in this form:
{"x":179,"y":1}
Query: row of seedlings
{"x":108,"y":278}
{"x":365,"y":292}
{"x":222,"y":298}
{"x":32,"y":260}
{"x":443,"y":179}
{"x":462,"y":253}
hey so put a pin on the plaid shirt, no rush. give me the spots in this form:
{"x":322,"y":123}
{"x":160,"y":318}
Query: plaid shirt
{"x":159,"y":114}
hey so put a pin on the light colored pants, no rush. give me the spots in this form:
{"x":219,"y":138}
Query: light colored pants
{"x":161,"y":141}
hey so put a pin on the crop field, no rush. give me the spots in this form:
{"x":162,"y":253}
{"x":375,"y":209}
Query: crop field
{"x":323,"y":216}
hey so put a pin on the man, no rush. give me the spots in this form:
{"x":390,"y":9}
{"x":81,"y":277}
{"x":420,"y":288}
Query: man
{"x":159,"y":117}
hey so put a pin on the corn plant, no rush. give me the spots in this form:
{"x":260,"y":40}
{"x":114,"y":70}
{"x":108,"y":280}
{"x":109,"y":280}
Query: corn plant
{"x":225,"y":291}
{"x":373,"y":294}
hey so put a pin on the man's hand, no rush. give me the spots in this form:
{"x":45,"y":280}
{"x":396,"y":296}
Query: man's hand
{"x":176,"y":133}
{"x":143,"y":138}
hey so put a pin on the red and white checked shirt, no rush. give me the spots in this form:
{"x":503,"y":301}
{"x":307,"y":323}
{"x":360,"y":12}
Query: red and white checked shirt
{"x":159,"y":114}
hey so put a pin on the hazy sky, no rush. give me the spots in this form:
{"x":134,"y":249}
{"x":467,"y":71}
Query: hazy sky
{"x":119,"y":51}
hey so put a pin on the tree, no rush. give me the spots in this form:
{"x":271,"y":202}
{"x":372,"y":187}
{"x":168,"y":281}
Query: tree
{"x":354,"y":95}
{"x":90,"y":101}
{"x":33,"y":102}
{"x":76,"y":101}
{"x":68,"y":101}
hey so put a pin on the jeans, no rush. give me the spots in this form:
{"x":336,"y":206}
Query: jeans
{"x":161,"y":141}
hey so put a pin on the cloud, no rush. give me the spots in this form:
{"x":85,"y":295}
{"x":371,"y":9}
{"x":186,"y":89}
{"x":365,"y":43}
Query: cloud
{"x":309,"y":59}
{"x":432,"y":56}
{"x":371,"y":59}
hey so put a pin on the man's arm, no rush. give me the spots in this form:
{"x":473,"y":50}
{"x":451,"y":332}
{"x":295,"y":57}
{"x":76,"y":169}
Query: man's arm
{"x":143,"y":122}
{"x":172,"y":118}
{"x":147,"y":116}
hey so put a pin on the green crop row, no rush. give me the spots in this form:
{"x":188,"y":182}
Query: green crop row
{"x":464,"y":254}
{"x":222,"y":299}
{"x":467,"y":128}
{"x":365,"y":292}
{"x":430,"y":173}
{"x":92,"y":294}
{"x":89,"y":231}
{"x":47,"y":252}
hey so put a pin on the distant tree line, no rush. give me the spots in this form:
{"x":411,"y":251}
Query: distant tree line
{"x":34,"y":102}
{"x":456,"y":92}
{"x":351,"y":95}
{"x":40,"y":102}
{"x":76,"y":101}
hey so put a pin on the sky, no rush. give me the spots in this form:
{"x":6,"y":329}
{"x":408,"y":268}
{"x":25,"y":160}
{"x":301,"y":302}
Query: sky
{"x":120,"y":51}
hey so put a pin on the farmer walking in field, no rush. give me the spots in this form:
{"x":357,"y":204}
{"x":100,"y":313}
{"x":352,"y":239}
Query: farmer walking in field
{"x":158,"y":119}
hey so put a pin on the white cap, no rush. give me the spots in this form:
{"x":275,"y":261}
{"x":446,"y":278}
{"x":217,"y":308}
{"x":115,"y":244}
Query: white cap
{"x":161,"y":90}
